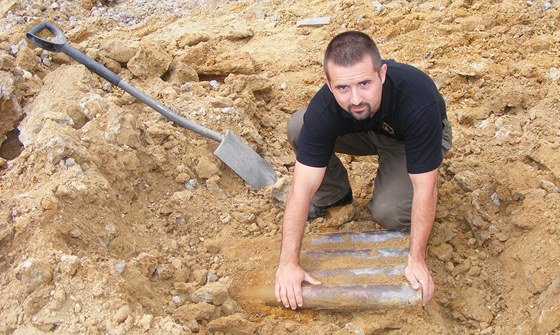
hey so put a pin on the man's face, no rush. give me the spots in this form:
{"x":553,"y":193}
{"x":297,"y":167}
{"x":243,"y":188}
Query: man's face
{"x":357,"y":88}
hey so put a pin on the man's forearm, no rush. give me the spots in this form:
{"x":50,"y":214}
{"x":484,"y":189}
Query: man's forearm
{"x":292,"y":228}
{"x":423,"y":215}
{"x":421,"y":228}
{"x":304,"y":185}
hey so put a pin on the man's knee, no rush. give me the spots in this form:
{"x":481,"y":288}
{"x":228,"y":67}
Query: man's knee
{"x":294,"y":127}
{"x":390,"y":216}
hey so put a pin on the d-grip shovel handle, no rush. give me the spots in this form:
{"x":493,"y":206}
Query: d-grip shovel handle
{"x":55,"y":44}
{"x":59,"y":44}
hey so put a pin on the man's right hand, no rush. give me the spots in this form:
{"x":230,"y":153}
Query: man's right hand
{"x":287,"y":288}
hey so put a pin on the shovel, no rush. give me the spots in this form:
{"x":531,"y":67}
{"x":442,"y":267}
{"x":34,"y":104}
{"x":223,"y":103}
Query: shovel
{"x":236,"y":154}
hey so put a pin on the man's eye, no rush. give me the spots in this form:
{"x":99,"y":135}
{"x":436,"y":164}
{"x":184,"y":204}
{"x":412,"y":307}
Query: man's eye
{"x":365,"y":83}
{"x":342,"y":88}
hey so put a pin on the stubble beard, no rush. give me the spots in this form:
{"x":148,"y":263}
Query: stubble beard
{"x":363,"y":115}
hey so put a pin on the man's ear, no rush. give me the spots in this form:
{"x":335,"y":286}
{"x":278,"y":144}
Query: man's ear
{"x":327,"y":82}
{"x":383,"y":73}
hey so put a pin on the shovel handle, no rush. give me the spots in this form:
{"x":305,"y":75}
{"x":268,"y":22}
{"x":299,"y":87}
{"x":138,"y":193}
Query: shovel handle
{"x":54,"y":44}
{"x":59,"y":44}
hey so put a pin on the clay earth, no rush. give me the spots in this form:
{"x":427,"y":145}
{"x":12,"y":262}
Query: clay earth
{"x":115,"y":221}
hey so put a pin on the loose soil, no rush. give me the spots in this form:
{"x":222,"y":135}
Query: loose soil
{"x":115,"y":221}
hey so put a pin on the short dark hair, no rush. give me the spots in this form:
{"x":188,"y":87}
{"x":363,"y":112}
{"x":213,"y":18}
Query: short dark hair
{"x":349,"y":48}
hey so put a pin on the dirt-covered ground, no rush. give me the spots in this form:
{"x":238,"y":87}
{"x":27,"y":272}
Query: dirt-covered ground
{"x":115,"y":221}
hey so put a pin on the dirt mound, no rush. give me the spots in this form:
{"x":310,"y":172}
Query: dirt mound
{"x":114,"y":220}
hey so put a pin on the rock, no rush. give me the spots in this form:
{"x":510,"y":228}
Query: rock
{"x":214,"y":188}
{"x":186,"y":288}
{"x":291,"y":326}
{"x":474,"y":271}
{"x":121,"y":128}
{"x":168,"y":94}
{"x":232,"y":324}
{"x":6,"y":233}
{"x":340,"y":215}
{"x":478,"y":226}
{"x":229,"y":307}
{"x":549,"y":186}
{"x":69,"y":264}
{"x":120,"y":266}
{"x":49,"y":202}
{"x":36,"y":300}
{"x":463,"y":267}
{"x":467,"y":180}
{"x":145,"y":323}
{"x":7,"y":61}
{"x":465,"y":117}
{"x":212,"y":246}
{"x":471,"y":305}
{"x":354,"y":329}
{"x":165,"y":271}
{"x":119,"y":50}
{"x":227,"y":63}
{"x":443,"y":252}
{"x":554,"y":74}
{"x":176,"y":263}
{"x":180,"y":73}
{"x":314,"y":21}
{"x":207,"y":168}
{"x":34,"y":273}
{"x":182,"y":275}
{"x":58,"y":299}
{"x":189,"y":312}
{"x":92,"y":105}
{"x":121,"y":314}
{"x":9,"y":103}
{"x":60,"y":58}
{"x":168,"y":326}
{"x":253,"y":83}
{"x":215,"y":293}
{"x":150,"y":61}
{"x":189,"y":40}
{"x":50,"y":102}
{"x":200,"y":276}
{"x":239,"y":33}
{"x":26,"y":59}
{"x":147,"y":264}
{"x":211,"y":277}
{"x":501,"y":237}
{"x":549,"y":309}
{"x":548,"y":157}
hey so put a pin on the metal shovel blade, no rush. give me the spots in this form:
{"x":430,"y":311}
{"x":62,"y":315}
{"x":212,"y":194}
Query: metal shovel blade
{"x":244,"y":161}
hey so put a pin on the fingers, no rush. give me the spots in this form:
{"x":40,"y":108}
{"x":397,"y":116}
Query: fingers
{"x":427,"y":291}
{"x":277,"y":292}
{"x":428,"y":288}
{"x":287,"y":288}
{"x":421,"y":279}
{"x":290,"y":297}
{"x":414,"y":282}
{"x":297,"y":300}
{"x":311,"y":280}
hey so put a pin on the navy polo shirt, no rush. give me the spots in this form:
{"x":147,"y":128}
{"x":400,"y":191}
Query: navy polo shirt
{"x":411,"y":110}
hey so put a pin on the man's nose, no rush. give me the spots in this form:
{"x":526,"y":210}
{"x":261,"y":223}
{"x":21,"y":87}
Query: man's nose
{"x":356,"y":97}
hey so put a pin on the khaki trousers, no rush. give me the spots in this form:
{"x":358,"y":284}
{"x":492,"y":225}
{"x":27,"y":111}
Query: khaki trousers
{"x":391,"y":202}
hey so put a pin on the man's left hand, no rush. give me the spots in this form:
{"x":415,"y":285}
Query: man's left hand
{"x":419,"y":276}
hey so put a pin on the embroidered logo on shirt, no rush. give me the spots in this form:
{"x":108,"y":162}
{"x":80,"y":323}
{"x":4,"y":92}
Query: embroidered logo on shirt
{"x":387,"y":128}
